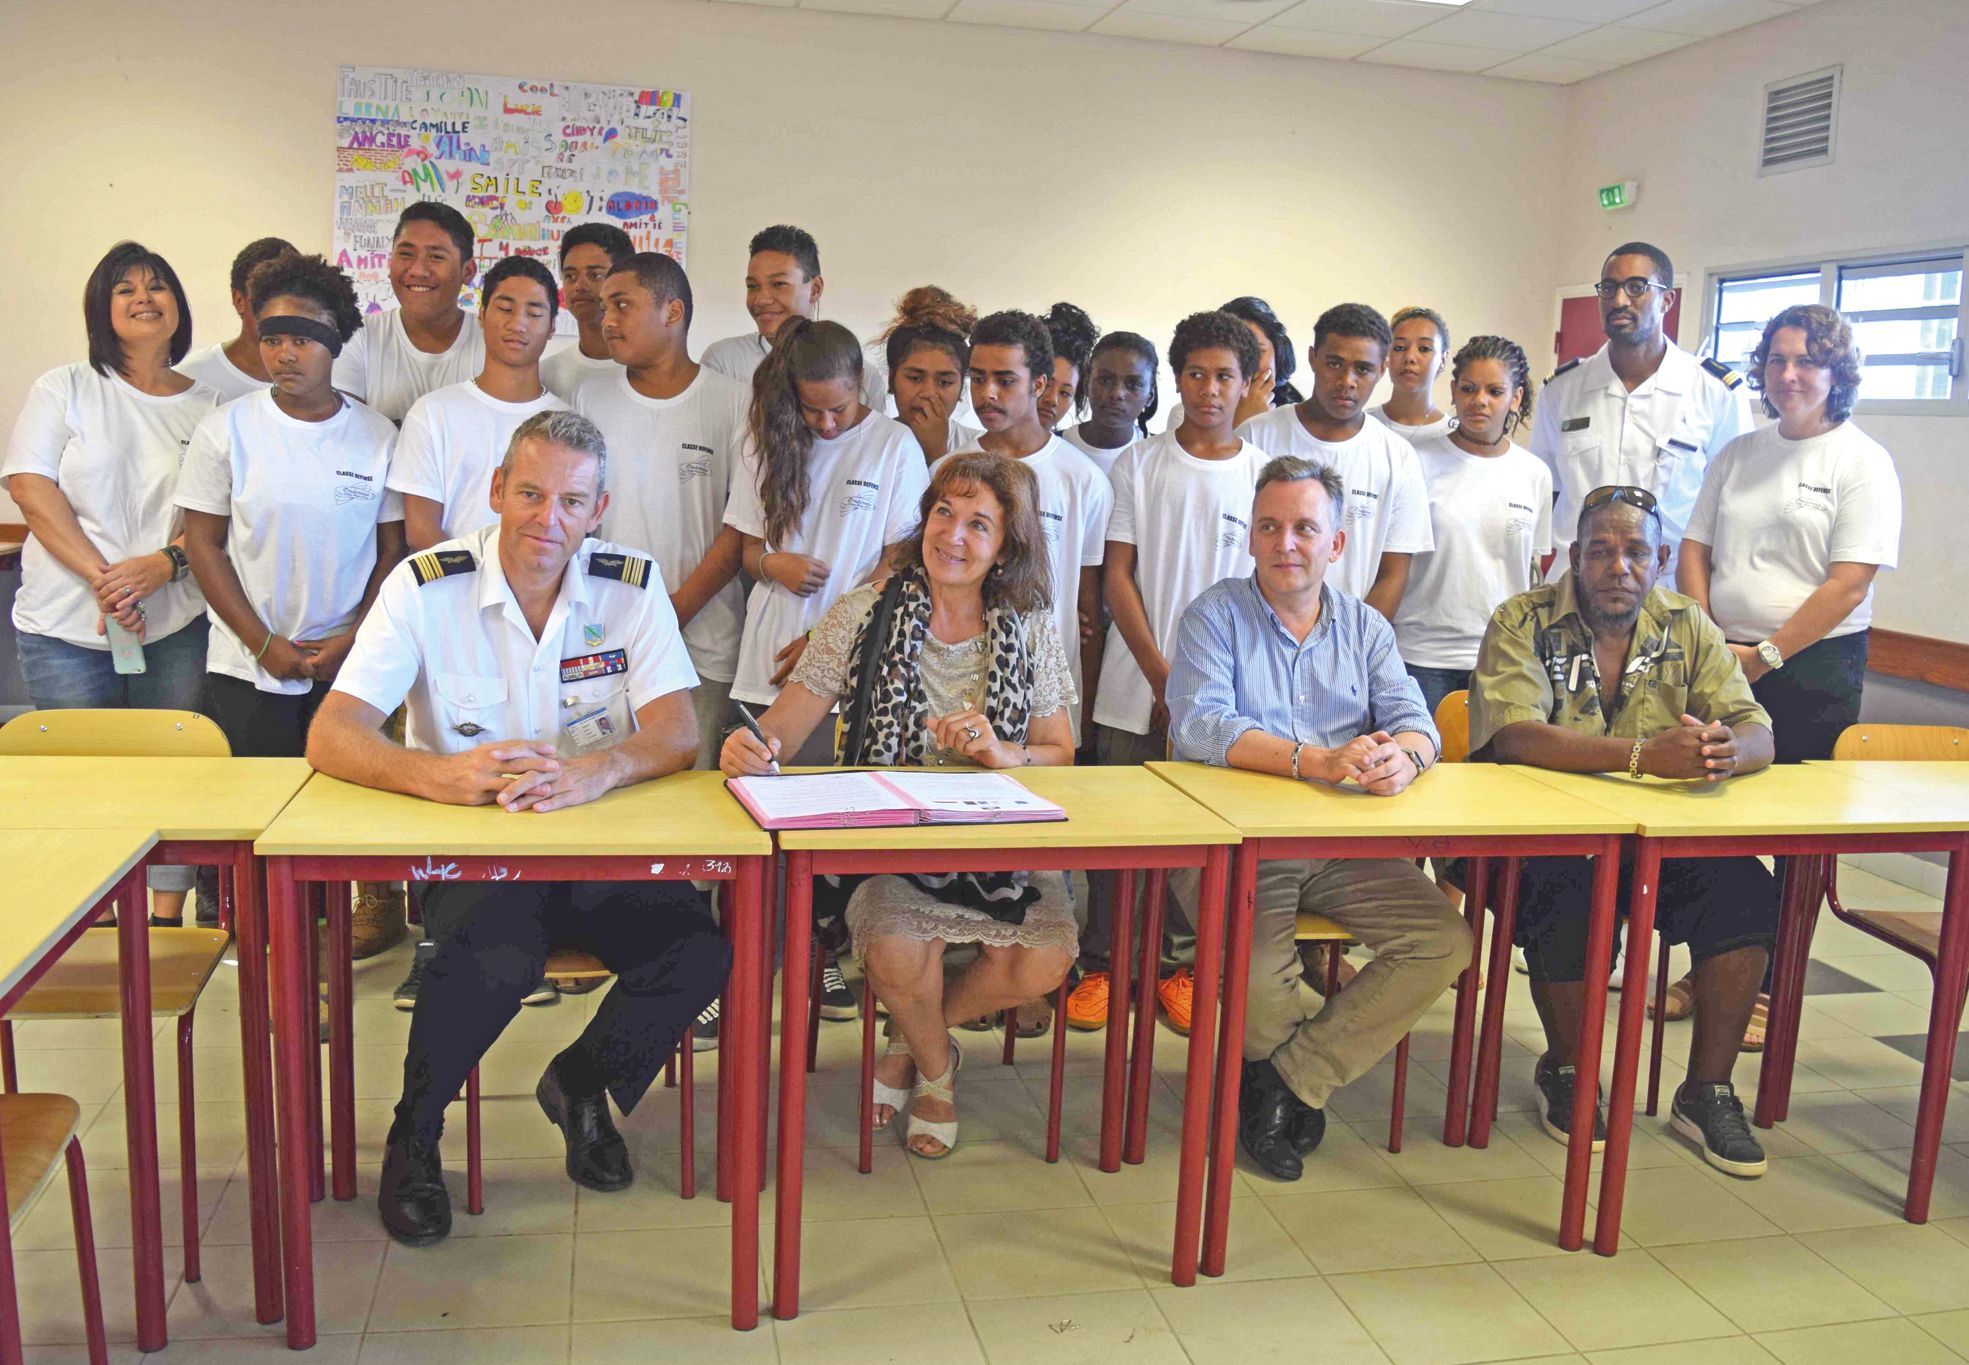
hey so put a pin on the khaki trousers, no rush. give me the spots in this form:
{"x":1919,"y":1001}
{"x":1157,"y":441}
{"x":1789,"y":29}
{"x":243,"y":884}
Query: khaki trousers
{"x":1419,"y":943}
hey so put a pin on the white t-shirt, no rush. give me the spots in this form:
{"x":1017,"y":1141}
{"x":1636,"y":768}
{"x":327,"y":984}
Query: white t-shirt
{"x":1190,"y":523}
{"x":1103,"y":457}
{"x":1493,"y":517}
{"x":1778,"y":514}
{"x":456,"y":648}
{"x":213,"y":368}
{"x":451,"y":442}
{"x":380,"y":366}
{"x":114,"y":453}
{"x":1075,"y":504}
{"x":866,"y":489}
{"x":1415,"y":436}
{"x":305,"y":499}
{"x":739,"y":358}
{"x":671,"y":462}
{"x":568,"y":369}
{"x":1387,"y":502}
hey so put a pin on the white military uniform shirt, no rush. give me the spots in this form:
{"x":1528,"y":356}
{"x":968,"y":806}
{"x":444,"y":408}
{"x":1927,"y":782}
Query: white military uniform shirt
{"x":1593,"y":432}
{"x":447,"y":637}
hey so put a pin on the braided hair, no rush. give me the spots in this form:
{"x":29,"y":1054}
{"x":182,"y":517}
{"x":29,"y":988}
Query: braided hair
{"x":1512,"y":357}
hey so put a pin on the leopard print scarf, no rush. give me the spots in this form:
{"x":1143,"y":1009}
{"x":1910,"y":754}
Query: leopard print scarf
{"x":893,"y":732}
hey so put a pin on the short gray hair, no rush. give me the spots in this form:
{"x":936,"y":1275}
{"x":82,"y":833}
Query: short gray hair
{"x":1294,"y":469}
{"x":561,"y":427}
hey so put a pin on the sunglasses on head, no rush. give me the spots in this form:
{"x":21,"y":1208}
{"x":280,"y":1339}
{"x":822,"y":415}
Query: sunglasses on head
{"x":1621,"y":492}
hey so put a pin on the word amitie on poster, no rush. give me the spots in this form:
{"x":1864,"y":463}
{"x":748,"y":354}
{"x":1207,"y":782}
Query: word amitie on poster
{"x":523,"y":160}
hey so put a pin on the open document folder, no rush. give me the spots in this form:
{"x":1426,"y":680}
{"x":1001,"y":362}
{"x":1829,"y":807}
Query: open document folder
{"x":858,"y":800}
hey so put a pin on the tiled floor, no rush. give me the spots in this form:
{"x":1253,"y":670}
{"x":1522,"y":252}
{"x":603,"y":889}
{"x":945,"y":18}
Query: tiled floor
{"x":1430,"y":1256}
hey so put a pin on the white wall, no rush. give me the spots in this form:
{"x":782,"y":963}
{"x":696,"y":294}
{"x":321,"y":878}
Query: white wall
{"x":1686,"y":126}
{"x":1142,"y":181}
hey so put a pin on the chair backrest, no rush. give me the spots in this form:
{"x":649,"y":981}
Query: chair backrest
{"x":1902,"y":743}
{"x":113,"y":733}
{"x":1453,"y":724}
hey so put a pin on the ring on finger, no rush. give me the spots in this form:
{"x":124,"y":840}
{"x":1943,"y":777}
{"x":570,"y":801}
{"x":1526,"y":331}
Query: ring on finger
{"x":971,"y":730}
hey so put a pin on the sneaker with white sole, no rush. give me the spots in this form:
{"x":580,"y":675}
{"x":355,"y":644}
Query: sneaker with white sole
{"x":837,"y":1000}
{"x":1711,"y":1116}
{"x":405,"y":996}
{"x":544,"y":992}
{"x":1556,"y":1086}
{"x":704,"y":1032}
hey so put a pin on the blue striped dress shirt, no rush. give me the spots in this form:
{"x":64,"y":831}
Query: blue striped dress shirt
{"x":1237,"y":668}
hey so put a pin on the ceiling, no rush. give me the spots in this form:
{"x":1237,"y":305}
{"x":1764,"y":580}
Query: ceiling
{"x":1553,"y":41}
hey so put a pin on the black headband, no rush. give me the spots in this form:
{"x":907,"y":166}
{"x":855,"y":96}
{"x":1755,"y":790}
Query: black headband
{"x":289,"y":325}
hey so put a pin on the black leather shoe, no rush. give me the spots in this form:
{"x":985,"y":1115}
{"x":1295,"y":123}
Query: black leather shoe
{"x":1308,"y":1127}
{"x":597,"y":1158}
{"x":1266,"y":1110}
{"x":415,"y":1206}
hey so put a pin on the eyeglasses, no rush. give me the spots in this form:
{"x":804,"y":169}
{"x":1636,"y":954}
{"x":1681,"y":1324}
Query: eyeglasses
{"x":1621,"y":492}
{"x":1635,"y":287}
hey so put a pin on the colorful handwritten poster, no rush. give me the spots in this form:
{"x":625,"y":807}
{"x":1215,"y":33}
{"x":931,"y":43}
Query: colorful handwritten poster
{"x":523,"y":160}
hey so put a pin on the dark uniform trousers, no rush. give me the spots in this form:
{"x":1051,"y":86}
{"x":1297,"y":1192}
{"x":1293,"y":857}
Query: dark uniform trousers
{"x":669,"y":958}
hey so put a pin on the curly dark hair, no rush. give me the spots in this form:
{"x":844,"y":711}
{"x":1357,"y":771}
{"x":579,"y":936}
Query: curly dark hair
{"x":788,"y":240}
{"x":929,"y":316}
{"x":1254,"y":310}
{"x":1014,"y":328}
{"x":1074,"y":335}
{"x":311,"y":279}
{"x":803,"y":351}
{"x":1353,"y":320}
{"x":105,"y":347}
{"x":610,"y":238}
{"x":1507,"y":353}
{"x":1021,"y":579}
{"x":1142,"y":349}
{"x":1218,"y":331}
{"x":1829,"y":343}
{"x":253,"y":255}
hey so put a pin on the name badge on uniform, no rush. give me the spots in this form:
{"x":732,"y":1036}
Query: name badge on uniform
{"x":585,"y":666}
{"x":591,"y":728}
{"x":1687,"y":447}
{"x":1576,"y":424}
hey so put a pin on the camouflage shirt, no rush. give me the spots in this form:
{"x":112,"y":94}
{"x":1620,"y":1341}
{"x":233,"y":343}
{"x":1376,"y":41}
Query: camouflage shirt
{"x":1537,"y":663}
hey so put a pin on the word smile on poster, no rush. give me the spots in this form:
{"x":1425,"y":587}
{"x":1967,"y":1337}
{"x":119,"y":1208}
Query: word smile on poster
{"x":523,"y":160}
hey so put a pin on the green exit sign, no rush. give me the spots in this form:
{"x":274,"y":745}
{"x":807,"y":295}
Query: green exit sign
{"x":1620,"y":195}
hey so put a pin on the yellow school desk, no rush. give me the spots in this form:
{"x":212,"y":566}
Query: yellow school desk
{"x":206,"y":811}
{"x":56,"y":881}
{"x":678,"y":828}
{"x":1810,"y":811}
{"x":1117,"y":818}
{"x":1474,"y":810}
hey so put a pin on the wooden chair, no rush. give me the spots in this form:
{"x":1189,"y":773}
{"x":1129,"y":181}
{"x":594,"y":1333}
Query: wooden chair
{"x":570,"y":965}
{"x":38,"y":1134}
{"x":83,"y":984}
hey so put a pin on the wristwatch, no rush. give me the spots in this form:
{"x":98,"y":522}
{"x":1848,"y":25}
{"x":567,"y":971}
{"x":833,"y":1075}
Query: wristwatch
{"x":1416,"y":759}
{"x":180,"y":566}
{"x":1768,"y":652}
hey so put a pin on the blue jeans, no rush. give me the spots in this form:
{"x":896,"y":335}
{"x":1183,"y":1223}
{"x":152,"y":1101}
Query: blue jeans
{"x":1437,"y":683}
{"x":61,"y":676}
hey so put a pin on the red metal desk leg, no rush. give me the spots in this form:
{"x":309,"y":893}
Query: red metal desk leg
{"x":295,"y":1033}
{"x":1786,"y":973}
{"x":733,"y":924}
{"x":11,"y":1351}
{"x":769,"y":901}
{"x":1223,"y":953}
{"x":1627,"y":1043}
{"x":1141,"y":1060}
{"x":341,"y":1041}
{"x":792,"y":1083}
{"x":1114,"y":1065}
{"x":1811,"y":895}
{"x":256,"y":1058}
{"x":1586,"y":1062}
{"x":311,"y":895}
{"x":140,"y":1108}
{"x":1944,"y":1013}
{"x":1490,"y":1044}
{"x":1463,"y":1035}
{"x":743,"y":909}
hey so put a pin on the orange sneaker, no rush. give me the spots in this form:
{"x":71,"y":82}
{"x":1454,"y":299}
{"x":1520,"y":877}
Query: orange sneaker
{"x":1087,"y":1003}
{"x":1175,"y":993}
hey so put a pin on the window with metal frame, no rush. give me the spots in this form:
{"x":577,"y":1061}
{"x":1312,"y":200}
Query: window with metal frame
{"x":1907,"y":312}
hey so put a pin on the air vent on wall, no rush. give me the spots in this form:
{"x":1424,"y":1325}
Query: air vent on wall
{"x":1801,"y":115}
